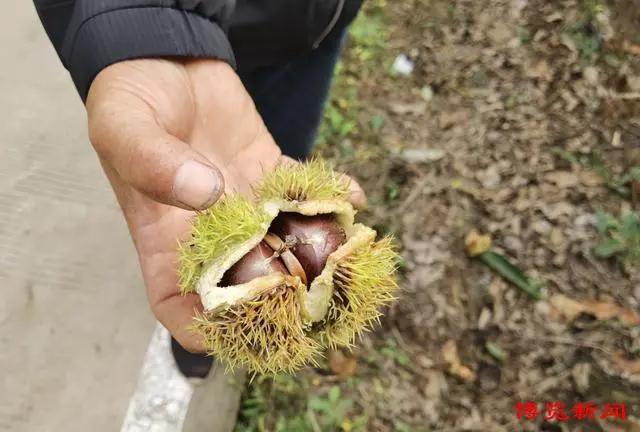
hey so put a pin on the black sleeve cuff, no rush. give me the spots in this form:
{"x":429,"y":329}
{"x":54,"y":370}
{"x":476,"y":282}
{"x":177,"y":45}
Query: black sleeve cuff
{"x":125,"y":34}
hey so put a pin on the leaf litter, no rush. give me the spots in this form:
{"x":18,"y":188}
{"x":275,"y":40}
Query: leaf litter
{"x":517,"y":121}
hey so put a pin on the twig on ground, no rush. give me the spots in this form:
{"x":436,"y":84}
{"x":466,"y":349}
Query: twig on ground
{"x":314,"y":421}
{"x":401,"y":340}
{"x":624,"y":96}
{"x":564,"y":287}
{"x":623,"y":46}
{"x":417,"y":191}
{"x":570,"y":342}
{"x":544,"y":385}
{"x":586,"y":254}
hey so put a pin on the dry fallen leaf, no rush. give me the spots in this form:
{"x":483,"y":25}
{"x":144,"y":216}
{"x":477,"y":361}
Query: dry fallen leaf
{"x":422,"y":155}
{"x":449,"y":119}
{"x":624,"y":365}
{"x":555,"y":16}
{"x":564,"y":308}
{"x":602,"y":311}
{"x":477,"y":244}
{"x":541,"y":69}
{"x":402,"y":108}
{"x":623,"y":46}
{"x":581,"y":374}
{"x":341,"y":365}
{"x":456,"y":368}
{"x":562,"y":179}
{"x":619,"y":426}
{"x":606,"y":311}
{"x":591,"y":178}
{"x":568,"y":309}
{"x":616,"y":140}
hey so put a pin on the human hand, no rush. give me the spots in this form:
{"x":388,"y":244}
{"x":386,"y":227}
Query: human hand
{"x":174,"y":137}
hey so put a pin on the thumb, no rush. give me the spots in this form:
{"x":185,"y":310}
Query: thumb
{"x":153,"y":161}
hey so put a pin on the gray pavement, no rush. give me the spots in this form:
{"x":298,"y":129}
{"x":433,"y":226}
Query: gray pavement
{"x":79,"y":348}
{"x":74,"y":321}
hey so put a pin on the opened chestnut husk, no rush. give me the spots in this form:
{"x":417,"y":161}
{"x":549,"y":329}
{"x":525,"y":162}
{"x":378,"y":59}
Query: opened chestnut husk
{"x":288,"y":274}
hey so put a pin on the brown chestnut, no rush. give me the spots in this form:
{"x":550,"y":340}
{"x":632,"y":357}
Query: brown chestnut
{"x":313,"y":239}
{"x":257,"y":263}
{"x":295,"y":244}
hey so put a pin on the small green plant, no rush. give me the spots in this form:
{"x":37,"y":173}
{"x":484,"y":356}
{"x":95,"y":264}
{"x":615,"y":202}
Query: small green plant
{"x":585,"y":39}
{"x":341,"y":113}
{"x":367,"y":40}
{"x":377,"y":121}
{"x":620,"y":237}
{"x":393,"y":191}
{"x":584,"y":35}
{"x":283,"y":404}
{"x":274,"y":404}
{"x":619,"y":183}
{"x":593,"y":8}
{"x":369,"y":37}
{"x":524,"y":35}
{"x":339,"y":125}
{"x":401,"y":427}
{"x":329,"y":411}
{"x":566,"y":155}
{"x":391,"y":350}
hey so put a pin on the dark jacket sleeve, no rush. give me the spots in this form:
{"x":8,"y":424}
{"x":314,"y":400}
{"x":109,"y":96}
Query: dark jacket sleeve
{"x":90,"y":35}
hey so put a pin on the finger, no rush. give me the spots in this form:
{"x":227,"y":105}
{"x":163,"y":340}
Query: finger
{"x":158,"y":257}
{"x":151,"y":160}
{"x":176,"y":315}
{"x":357,"y":196}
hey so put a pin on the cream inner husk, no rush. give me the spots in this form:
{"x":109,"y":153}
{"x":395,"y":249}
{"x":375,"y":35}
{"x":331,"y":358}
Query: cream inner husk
{"x":317,"y":300}
{"x":214,"y":297}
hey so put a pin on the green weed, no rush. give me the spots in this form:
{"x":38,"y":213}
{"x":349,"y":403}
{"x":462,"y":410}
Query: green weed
{"x":593,"y":8}
{"x":330,"y":410}
{"x":584,"y":35}
{"x":273,"y":404}
{"x":367,"y":39}
{"x":585,"y":40}
{"x":401,"y":427}
{"x":524,"y":35}
{"x":617,"y":182}
{"x":392,"y":192}
{"x":391,"y":350}
{"x":565,"y":155}
{"x":620,"y":237}
{"x":282,"y":404}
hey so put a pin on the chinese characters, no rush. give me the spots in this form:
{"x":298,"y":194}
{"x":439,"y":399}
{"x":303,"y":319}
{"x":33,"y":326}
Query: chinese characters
{"x":558,"y":411}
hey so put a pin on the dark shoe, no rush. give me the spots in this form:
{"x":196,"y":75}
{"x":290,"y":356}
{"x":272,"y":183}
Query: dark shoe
{"x":195,"y":367}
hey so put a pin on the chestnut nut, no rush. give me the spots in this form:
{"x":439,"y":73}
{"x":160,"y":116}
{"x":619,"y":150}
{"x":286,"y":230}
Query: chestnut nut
{"x":295,"y":244}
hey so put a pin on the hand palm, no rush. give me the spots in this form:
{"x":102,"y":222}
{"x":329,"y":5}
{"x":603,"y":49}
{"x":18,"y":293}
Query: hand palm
{"x":218,"y":121}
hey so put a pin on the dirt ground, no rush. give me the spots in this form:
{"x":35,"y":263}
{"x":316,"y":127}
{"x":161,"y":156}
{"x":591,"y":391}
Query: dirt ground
{"x":520,"y":120}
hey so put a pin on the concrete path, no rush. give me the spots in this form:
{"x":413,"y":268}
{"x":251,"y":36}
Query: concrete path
{"x":74,"y":321}
{"x":79,"y":348}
